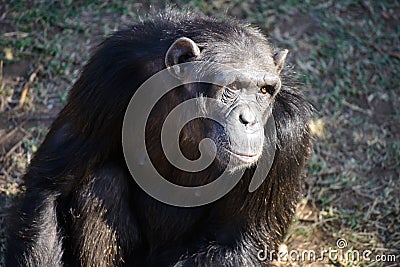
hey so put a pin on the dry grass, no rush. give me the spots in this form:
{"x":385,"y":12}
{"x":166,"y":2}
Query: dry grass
{"x":346,"y":53}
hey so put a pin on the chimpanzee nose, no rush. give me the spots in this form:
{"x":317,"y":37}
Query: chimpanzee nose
{"x":247,"y":116}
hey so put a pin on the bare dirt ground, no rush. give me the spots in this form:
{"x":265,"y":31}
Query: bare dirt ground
{"x":346,"y":53}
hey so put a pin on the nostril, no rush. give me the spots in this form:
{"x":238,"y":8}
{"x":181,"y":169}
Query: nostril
{"x":247,"y":117}
{"x":242,"y":120}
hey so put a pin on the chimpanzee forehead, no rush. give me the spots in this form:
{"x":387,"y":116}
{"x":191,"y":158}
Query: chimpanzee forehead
{"x":259,"y":78}
{"x":247,"y":53}
{"x":242,"y":66}
{"x":259,"y":59}
{"x":246,"y":77}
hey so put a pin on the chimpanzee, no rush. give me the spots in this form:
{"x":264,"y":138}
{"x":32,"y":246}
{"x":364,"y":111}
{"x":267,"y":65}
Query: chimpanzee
{"x":83,"y":208}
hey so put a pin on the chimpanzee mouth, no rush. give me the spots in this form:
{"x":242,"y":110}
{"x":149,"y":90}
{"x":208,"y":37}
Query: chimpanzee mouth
{"x":245,"y":157}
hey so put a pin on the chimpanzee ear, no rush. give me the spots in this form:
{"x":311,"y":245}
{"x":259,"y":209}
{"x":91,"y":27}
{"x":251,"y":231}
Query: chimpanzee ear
{"x":279,"y":59}
{"x":181,"y":51}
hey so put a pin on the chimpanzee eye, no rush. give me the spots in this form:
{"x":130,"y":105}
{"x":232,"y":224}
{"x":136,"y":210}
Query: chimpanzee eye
{"x":263,"y":90}
{"x":270,"y":89}
{"x":233,"y":86}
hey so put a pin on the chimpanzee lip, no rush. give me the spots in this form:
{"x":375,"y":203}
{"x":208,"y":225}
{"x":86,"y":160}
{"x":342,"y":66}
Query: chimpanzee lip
{"x":241,"y":155}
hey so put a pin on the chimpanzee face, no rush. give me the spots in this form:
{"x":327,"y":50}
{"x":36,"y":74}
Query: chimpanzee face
{"x":243,"y":99}
{"x":248,"y":100}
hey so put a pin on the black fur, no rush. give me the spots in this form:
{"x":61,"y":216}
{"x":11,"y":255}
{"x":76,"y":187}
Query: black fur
{"x":82,"y":208}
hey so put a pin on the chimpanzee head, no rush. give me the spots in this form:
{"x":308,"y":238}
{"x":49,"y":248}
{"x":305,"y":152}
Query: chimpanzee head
{"x":245,"y":84}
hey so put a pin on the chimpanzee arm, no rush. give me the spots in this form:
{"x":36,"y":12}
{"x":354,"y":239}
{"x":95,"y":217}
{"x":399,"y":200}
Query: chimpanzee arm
{"x":94,"y":226}
{"x":34,"y":237}
{"x":103,"y":229}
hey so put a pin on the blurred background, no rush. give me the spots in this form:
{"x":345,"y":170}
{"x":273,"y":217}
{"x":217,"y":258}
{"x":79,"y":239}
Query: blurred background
{"x":345,"y":53}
